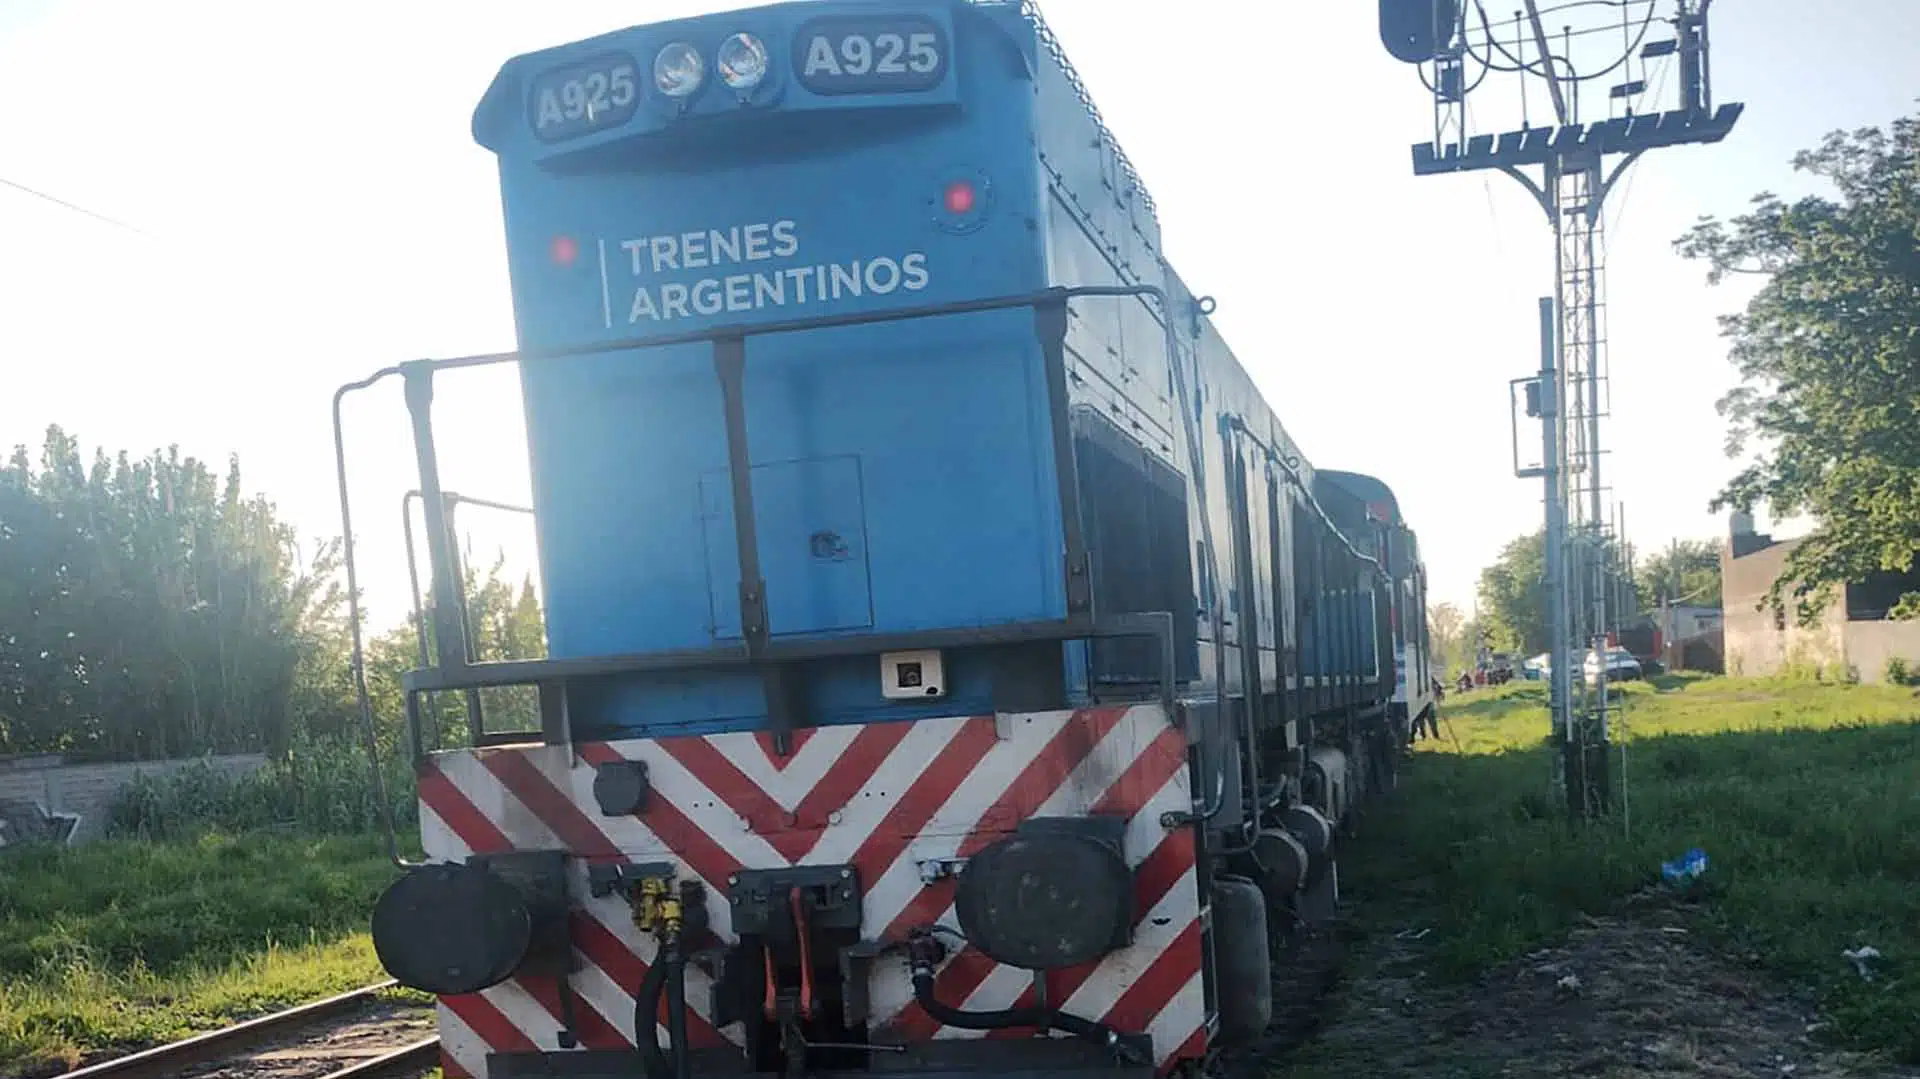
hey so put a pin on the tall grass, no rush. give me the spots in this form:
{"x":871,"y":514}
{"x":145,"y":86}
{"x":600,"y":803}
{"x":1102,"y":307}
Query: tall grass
{"x":1801,"y":794}
{"x":215,"y":896}
{"x":121,"y":942}
{"x":320,"y":787}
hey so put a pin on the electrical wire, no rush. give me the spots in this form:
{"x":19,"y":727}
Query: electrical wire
{"x":1524,"y":20}
{"x":1573,"y":75}
{"x":1619,"y":206}
{"x":73,"y":206}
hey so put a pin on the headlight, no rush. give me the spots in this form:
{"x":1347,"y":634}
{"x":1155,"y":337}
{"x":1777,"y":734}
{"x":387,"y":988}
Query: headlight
{"x":742,"y":62}
{"x":678,"y":70}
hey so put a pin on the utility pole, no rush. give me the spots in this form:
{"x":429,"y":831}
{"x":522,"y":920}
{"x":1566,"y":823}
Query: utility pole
{"x":1543,"y":401}
{"x":1574,"y":177}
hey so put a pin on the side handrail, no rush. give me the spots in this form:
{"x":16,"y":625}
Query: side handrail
{"x":475,"y":715}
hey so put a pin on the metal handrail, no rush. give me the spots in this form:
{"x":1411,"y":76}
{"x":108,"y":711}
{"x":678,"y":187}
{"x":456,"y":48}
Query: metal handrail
{"x":456,"y":669}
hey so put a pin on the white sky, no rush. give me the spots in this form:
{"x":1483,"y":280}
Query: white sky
{"x":311,"y":206}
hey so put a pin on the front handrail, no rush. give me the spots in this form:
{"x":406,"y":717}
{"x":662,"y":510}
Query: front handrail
{"x":1049,"y":306}
{"x":455,"y":667}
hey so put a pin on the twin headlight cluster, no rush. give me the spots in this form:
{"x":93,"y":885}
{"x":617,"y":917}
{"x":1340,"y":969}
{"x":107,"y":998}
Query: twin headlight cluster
{"x":679,"y":70}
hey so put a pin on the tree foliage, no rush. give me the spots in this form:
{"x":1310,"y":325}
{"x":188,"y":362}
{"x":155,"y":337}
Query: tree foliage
{"x":1448,"y":629}
{"x":1513,"y":594}
{"x":1513,"y":598}
{"x":1687,"y":572}
{"x":1828,"y":351}
{"x":150,"y":608}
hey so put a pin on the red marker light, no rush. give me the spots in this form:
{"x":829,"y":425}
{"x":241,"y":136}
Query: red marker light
{"x":564,"y":250}
{"x":959,"y":197}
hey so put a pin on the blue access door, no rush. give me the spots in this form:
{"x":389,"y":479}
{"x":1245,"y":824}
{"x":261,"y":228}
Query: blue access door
{"x":812,"y":527}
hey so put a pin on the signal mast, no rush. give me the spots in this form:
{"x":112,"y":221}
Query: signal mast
{"x":1456,"y":46}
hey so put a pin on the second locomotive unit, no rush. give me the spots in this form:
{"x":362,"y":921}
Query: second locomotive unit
{"x":954,"y":666}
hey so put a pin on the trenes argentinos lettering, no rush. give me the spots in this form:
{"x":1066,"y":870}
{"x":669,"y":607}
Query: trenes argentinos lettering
{"x":665,"y":266}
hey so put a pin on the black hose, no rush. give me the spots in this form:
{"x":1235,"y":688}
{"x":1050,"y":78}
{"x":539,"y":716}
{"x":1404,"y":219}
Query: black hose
{"x":677,"y":1009}
{"x":1038,"y":1017}
{"x":646,"y":1031}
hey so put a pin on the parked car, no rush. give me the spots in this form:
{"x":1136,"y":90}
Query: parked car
{"x":1621,"y":666}
{"x":1538,"y":668}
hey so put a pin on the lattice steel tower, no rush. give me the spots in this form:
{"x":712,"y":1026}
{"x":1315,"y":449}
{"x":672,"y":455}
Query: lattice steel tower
{"x":1457,"y":47}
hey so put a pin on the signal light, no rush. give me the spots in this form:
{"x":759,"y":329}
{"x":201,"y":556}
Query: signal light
{"x":564,"y":250}
{"x":959,"y":198}
{"x":1415,"y":31}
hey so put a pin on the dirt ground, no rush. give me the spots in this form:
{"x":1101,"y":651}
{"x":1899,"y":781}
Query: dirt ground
{"x":1630,"y":997}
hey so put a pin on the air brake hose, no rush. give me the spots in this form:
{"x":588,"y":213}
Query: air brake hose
{"x":646,"y":1032}
{"x":676,"y":964}
{"x":1041,"y":1018}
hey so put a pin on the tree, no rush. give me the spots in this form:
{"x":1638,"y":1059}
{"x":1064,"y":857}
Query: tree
{"x":1447,"y":628}
{"x":1828,"y":351}
{"x":1513,"y":598}
{"x":1686,"y":572}
{"x":1513,"y":594}
{"x":148,"y":608}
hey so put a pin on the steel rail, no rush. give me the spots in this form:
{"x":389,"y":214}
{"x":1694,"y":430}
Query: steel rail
{"x":402,"y":1063}
{"x":169,"y":1059}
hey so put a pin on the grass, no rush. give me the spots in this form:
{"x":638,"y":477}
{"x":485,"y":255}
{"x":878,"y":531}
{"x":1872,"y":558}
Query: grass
{"x":1802,"y":795}
{"x":119,"y":944}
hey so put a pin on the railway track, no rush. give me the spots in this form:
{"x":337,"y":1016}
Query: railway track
{"x":354,"y":1035}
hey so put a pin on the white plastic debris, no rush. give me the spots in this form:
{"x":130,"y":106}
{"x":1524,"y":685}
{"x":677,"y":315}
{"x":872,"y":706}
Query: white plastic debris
{"x":1859,"y":956}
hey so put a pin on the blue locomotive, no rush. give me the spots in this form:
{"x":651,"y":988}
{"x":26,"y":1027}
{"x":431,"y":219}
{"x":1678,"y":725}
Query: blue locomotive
{"x":954,"y":666}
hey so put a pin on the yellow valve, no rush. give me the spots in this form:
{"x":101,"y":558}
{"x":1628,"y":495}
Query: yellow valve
{"x":656,"y":908}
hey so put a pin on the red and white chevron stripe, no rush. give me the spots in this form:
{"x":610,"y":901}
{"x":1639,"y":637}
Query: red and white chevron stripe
{"x":883,"y":797}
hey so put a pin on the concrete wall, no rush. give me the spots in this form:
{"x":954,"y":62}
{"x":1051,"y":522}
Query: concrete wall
{"x":1757,"y":644}
{"x":65,"y":791}
{"x":1871,"y":644}
{"x":1685,"y":623}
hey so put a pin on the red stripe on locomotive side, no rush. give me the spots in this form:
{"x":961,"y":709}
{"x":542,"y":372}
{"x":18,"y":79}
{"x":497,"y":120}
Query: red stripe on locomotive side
{"x":795,"y":739}
{"x":1149,"y":773}
{"x":490,"y":1023}
{"x":1070,"y":745}
{"x":458,"y":812}
{"x":1159,"y":983}
{"x":450,"y":1068}
{"x":706,"y":857}
{"x":728,"y":783}
{"x":1155,"y":877}
{"x":1194,"y":1046}
{"x":923,"y":798}
{"x":626,"y":970}
{"x":849,"y":772}
{"x":538,"y":793}
{"x":594,"y":1030}
{"x":793,"y":834}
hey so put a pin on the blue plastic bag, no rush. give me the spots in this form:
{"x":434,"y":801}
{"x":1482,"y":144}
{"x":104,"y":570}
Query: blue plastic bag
{"x":1685,"y":868}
